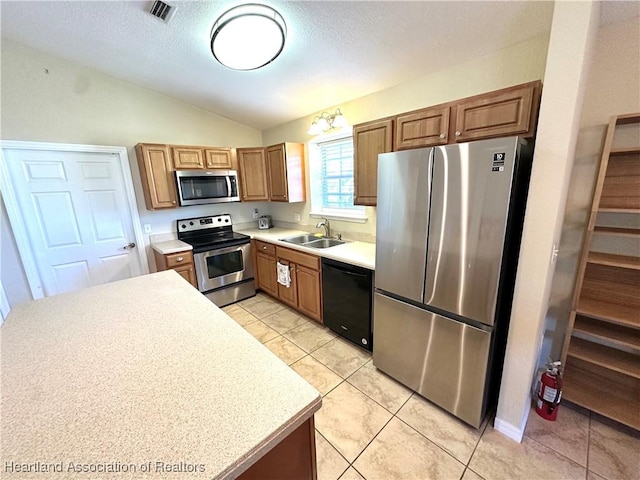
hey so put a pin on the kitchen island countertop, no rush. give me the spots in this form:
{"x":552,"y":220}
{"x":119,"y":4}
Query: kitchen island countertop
{"x":361,"y":254}
{"x":142,"y":373}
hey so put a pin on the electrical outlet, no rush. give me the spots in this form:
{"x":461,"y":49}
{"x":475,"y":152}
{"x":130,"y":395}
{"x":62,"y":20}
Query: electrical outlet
{"x":147,"y":228}
{"x":255,"y":213}
{"x":296,"y":217}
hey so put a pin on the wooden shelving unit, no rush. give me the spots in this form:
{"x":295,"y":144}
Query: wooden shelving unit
{"x":602,"y":348}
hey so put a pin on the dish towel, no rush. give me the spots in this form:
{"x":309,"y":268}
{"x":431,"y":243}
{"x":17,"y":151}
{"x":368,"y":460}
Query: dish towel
{"x":283,"y":275}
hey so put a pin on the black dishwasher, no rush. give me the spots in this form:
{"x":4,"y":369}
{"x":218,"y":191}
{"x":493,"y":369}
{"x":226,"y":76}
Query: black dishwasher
{"x":347,"y":300}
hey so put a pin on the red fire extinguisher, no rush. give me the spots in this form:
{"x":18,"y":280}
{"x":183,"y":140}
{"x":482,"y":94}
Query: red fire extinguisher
{"x":549,"y":392}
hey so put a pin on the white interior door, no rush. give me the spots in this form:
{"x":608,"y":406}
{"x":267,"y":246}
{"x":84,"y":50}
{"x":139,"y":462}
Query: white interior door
{"x":76,"y":213}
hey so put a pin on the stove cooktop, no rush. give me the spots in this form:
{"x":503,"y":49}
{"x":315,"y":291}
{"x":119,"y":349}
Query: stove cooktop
{"x":209,"y":233}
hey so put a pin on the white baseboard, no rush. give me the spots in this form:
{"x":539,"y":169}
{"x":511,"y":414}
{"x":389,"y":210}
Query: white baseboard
{"x":511,"y":431}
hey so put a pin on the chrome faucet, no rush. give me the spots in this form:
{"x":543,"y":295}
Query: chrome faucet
{"x":327,"y":228}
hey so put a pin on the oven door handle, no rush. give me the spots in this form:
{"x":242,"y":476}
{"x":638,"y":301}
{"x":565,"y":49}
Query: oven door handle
{"x":222,"y":251}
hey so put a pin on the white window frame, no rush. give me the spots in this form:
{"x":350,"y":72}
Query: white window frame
{"x":357,"y":213}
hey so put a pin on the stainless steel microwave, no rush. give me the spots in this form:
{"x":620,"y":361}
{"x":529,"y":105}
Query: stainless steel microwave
{"x":198,"y":187}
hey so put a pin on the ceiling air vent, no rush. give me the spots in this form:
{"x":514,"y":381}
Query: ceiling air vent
{"x":162,"y":10}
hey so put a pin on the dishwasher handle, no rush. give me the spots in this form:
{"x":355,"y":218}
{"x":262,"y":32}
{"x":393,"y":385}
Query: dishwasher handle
{"x":341,"y":268}
{"x":346,"y":272}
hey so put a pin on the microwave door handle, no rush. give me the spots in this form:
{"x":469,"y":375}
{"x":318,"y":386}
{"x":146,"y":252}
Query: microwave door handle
{"x":228,"y":179}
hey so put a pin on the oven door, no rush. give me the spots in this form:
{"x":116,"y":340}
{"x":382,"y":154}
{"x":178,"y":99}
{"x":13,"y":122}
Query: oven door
{"x":223,"y":266}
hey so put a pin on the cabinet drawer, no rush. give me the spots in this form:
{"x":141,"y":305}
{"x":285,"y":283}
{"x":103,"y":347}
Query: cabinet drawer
{"x":299,"y":258}
{"x":264,"y":247}
{"x":178,"y":259}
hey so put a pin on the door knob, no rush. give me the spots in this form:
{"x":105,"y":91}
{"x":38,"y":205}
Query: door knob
{"x":130,"y":245}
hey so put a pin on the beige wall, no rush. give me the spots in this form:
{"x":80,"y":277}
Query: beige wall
{"x":573,"y":34}
{"x":612,"y":87}
{"x":517,"y":64}
{"x":48,"y":99}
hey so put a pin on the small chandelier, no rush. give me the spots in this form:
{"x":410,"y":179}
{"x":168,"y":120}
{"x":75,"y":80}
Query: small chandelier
{"x":248,"y":37}
{"x":325,"y":122}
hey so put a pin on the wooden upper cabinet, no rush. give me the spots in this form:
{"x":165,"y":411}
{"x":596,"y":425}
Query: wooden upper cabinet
{"x":369,"y":140}
{"x":422,"y":128}
{"x":285,"y":172}
{"x":277,"y":173}
{"x":510,"y":111}
{"x":156,"y":173}
{"x":253,"y":175}
{"x":187,"y":157}
{"x":219,"y":158}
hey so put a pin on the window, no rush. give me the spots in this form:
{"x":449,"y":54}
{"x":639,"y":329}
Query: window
{"x":332,"y":183}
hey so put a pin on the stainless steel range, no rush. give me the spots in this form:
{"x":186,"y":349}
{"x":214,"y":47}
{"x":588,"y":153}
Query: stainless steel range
{"x":222,"y":258}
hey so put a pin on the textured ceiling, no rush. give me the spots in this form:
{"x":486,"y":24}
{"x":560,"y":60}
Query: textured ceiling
{"x":335,"y":51}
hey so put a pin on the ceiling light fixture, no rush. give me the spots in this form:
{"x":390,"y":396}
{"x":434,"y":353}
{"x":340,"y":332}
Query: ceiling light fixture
{"x":325,"y":122}
{"x":248,"y":36}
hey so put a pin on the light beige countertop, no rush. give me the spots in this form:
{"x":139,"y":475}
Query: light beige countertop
{"x":138,"y":371}
{"x":356,"y":253}
{"x":170,"y":246}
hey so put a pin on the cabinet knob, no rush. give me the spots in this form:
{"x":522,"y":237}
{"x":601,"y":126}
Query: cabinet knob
{"x":442,"y":135}
{"x":174,"y":202}
{"x":179,"y":259}
{"x":264,"y":248}
{"x":458,"y":133}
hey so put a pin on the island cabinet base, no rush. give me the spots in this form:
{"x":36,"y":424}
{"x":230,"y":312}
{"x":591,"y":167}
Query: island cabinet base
{"x":294,"y":458}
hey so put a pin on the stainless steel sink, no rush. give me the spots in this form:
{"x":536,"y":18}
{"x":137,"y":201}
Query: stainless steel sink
{"x":324,"y":243}
{"x":300,"y":239}
{"x":308,"y":240}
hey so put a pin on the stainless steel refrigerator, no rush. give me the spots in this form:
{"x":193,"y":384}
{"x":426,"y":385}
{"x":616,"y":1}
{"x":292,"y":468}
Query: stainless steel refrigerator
{"x":449,"y":222}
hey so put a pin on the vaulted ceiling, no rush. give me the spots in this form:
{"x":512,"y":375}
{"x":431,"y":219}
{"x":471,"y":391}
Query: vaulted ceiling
{"x":336,"y":51}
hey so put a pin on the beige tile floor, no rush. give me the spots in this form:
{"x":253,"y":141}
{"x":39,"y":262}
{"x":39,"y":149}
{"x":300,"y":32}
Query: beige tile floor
{"x":371,"y":427}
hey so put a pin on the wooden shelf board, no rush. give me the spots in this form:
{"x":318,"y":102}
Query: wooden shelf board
{"x":612,"y":333}
{"x":606,"y":357}
{"x":625,"y":151}
{"x":609,"y":312}
{"x":628,"y":118}
{"x":618,"y":210}
{"x":623,"y":232}
{"x":602,"y":395}
{"x":622,"y":261}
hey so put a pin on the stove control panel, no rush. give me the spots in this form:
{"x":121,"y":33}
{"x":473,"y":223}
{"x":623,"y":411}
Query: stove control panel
{"x":204,"y":223}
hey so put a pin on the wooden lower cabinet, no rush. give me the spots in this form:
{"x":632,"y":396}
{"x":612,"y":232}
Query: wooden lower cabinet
{"x":188,"y":273}
{"x":305,"y":290}
{"x":309,"y":292}
{"x":181,"y":262}
{"x":294,"y":458}
{"x":289,"y":295}
{"x":266,"y":272}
